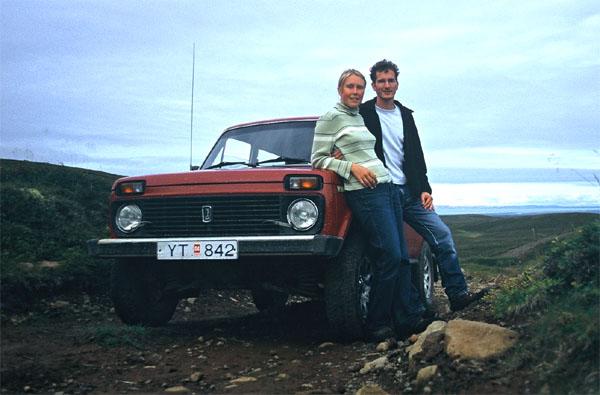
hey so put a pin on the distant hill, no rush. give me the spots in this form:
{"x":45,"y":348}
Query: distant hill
{"x":47,"y":212}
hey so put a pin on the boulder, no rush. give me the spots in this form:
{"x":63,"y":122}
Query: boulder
{"x":477,"y":340}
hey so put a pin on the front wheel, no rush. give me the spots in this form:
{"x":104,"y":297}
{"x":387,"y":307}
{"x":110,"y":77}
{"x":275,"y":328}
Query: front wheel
{"x":347,"y":288}
{"x":138,"y":293}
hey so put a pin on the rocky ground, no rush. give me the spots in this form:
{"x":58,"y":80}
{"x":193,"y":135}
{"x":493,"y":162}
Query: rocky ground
{"x":219,"y":343}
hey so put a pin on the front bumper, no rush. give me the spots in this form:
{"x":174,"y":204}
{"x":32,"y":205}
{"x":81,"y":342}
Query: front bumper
{"x":310,"y":245}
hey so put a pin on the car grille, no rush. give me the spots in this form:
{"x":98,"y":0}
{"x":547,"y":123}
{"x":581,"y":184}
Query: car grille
{"x":231,"y":216}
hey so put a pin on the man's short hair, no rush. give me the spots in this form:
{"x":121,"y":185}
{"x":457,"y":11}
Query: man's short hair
{"x":383,"y":65}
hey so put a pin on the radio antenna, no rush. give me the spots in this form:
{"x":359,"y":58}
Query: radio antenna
{"x":192,"y":109}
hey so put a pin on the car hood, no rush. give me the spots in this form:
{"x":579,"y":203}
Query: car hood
{"x":223,"y":176}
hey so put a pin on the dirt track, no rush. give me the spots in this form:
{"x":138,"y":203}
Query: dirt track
{"x":218,"y":343}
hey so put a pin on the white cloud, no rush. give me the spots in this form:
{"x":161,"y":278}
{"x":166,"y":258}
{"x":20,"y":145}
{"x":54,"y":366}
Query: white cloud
{"x":518,"y":194}
{"x":515,"y":157}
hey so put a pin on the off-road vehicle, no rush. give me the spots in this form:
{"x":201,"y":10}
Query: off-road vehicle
{"x":255,"y":216}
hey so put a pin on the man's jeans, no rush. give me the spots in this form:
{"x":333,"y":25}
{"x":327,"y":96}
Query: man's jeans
{"x":430,"y":226}
{"x":393,"y":300}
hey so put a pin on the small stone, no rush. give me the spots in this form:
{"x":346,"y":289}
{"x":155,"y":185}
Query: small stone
{"x":326,"y":345}
{"x":178,"y":389}
{"x":201,"y":339}
{"x":243,"y":379}
{"x":283,"y":376}
{"x":413,"y":338}
{"x":59,"y":304}
{"x":426,"y":374}
{"x":371,"y":389}
{"x":27,"y":389}
{"x":196,"y":376}
{"x":383,"y":346}
{"x":376,"y":364}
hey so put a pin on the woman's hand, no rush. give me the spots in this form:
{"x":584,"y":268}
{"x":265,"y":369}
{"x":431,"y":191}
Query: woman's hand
{"x":365,"y":176}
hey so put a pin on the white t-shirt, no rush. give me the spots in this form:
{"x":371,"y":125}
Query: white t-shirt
{"x":392,"y":131}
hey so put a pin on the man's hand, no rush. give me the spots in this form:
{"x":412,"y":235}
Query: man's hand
{"x":427,"y":200}
{"x":365,"y":176}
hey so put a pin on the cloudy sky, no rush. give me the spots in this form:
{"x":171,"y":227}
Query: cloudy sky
{"x":106,"y":85}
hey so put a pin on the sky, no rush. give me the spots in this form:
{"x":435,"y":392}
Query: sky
{"x":499,"y":89}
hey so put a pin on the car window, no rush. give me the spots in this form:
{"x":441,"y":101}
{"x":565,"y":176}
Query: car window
{"x":290,"y":141}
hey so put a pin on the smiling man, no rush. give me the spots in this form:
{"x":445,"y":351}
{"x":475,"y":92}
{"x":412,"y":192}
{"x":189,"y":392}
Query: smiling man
{"x":399,"y":148}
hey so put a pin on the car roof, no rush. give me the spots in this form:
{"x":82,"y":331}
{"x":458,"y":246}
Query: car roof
{"x":276,"y":120}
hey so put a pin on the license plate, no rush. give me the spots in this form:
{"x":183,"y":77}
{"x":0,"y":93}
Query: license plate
{"x":199,"y":249}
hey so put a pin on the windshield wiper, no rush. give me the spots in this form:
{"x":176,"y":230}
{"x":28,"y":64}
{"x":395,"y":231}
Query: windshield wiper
{"x":285,"y":159}
{"x":225,"y":163}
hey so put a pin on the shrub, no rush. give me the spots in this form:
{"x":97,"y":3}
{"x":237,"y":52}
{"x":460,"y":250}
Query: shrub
{"x":559,"y":297}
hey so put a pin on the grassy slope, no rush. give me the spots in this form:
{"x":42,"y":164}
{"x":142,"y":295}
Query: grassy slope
{"x":490,"y":245}
{"x":47,"y":212}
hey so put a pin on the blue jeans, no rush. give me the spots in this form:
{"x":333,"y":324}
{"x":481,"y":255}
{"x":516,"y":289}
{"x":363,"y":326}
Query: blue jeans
{"x":393,"y":300}
{"x":430,"y":226}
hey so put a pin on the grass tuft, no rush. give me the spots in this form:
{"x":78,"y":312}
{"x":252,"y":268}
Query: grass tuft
{"x":119,"y":336}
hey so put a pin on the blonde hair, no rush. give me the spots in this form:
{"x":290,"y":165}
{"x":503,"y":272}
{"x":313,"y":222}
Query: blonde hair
{"x":348,"y":73}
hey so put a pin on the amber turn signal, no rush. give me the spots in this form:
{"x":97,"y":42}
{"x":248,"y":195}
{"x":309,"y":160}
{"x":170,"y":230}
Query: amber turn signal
{"x":131,"y":188}
{"x":303,"y":182}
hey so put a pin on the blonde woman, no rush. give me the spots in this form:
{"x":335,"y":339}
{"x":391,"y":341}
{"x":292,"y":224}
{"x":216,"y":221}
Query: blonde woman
{"x":394,"y":307}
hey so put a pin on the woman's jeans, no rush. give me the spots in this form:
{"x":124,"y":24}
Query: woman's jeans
{"x":394,"y":300}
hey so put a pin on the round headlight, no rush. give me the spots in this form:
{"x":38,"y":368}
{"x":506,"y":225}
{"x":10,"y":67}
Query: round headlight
{"x":128,"y":218}
{"x":302,"y":214}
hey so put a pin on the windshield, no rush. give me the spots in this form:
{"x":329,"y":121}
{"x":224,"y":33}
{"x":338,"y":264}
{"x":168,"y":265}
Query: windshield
{"x":276,"y":144}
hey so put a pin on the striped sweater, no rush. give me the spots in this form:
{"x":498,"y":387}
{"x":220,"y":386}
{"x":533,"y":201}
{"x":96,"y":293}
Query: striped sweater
{"x":343,"y":128}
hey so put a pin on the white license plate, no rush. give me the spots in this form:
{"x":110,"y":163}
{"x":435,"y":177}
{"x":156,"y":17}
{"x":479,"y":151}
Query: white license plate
{"x":198,"y":249}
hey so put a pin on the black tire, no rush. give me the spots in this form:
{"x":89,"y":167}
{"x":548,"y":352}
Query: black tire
{"x":347,"y":287}
{"x":138,"y":293}
{"x":269,"y":300}
{"x":424,"y":276}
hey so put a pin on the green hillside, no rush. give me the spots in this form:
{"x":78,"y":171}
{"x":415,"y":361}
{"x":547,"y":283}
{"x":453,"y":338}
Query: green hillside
{"x":47,"y":212}
{"x":507,"y":241}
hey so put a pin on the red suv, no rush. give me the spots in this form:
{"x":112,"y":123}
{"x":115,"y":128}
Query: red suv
{"x":254,"y":216}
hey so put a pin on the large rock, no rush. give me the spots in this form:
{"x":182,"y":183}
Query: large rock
{"x":430,"y":342}
{"x":477,"y":340}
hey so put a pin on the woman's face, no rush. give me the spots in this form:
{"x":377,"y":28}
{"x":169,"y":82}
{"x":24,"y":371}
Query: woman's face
{"x":352,"y":91}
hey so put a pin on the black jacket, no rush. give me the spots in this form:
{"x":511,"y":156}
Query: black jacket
{"x":414,"y":167}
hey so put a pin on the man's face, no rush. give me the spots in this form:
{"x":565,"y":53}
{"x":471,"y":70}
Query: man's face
{"x":352,"y":91}
{"x":385,"y":85}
